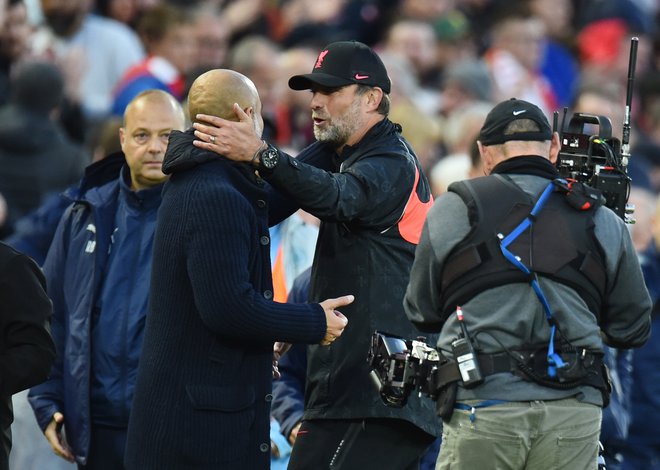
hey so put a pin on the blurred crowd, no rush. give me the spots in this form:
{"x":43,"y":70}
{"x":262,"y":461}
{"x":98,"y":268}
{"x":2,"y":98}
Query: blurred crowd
{"x":68,"y":68}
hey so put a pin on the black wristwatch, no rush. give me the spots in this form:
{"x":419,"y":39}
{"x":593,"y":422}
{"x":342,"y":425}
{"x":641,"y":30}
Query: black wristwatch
{"x":269,"y":158}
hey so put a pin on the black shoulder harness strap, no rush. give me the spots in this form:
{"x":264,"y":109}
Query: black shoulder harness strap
{"x":561,"y":245}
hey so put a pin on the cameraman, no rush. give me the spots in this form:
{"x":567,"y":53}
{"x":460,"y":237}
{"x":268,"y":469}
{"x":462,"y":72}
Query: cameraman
{"x":539,"y":296}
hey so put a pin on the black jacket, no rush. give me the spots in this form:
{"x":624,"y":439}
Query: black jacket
{"x":372,"y":203}
{"x":26,"y":348}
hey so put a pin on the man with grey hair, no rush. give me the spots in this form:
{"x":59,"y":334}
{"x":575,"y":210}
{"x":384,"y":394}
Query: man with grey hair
{"x":364,"y":182}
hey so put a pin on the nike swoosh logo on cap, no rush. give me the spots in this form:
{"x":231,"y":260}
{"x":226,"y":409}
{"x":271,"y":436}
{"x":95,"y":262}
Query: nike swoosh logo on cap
{"x":360,"y":77}
{"x":515,"y":113}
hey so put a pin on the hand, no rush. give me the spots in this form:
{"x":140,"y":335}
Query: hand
{"x":279,"y":349}
{"x":335,"y":320}
{"x":274,"y":450}
{"x":237,"y":141}
{"x":294,"y":433}
{"x":55,"y":439}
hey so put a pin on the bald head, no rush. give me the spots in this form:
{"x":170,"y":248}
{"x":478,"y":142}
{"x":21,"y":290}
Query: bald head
{"x":147,"y":99}
{"x":216,"y":91}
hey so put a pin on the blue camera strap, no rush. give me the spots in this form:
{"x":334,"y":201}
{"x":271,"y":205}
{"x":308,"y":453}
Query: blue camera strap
{"x":473,"y":408}
{"x":554,"y":360}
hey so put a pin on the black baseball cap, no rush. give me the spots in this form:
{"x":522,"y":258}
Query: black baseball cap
{"x":492,"y":132}
{"x":343,"y":63}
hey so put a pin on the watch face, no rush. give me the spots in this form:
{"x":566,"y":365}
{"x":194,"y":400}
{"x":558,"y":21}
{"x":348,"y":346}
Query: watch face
{"x":269,"y":158}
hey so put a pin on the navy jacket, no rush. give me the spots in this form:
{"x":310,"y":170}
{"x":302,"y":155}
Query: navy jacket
{"x":75,"y":269}
{"x":203,"y":394}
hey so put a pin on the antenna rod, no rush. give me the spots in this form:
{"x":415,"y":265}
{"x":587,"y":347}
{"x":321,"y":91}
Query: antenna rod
{"x":625,"y":141}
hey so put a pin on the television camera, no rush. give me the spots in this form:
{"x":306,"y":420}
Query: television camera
{"x":600,"y":160}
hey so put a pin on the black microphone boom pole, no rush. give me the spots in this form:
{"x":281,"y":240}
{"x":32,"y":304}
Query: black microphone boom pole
{"x":625,"y":141}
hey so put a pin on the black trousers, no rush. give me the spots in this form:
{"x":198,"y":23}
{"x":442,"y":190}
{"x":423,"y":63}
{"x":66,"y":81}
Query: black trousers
{"x":106,"y":449}
{"x":361,"y":444}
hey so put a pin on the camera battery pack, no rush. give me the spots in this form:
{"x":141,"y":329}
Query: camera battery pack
{"x":467,"y":362}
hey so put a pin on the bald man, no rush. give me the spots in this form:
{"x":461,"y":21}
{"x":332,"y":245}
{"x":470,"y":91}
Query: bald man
{"x":98,"y":272}
{"x":204,"y":384}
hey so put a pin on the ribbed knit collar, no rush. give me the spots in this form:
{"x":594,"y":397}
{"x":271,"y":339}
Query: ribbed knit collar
{"x":182,"y":155}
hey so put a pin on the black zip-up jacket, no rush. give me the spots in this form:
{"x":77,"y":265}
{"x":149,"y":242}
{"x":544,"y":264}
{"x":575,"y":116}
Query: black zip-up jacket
{"x":372,"y":201}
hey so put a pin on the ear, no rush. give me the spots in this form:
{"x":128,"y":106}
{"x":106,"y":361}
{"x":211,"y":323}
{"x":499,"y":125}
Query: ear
{"x":122,"y":137}
{"x":486,"y":158}
{"x":249,"y":111}
{"x":555,"y":147}
{"x":374,"y":97}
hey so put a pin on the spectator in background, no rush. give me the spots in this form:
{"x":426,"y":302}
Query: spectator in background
{"x":415,"y":41}
{"x":558,"y":64}
{"x":299,"y":133}
{"x":465,"y":82}
{"x":16,"y":40}
{"x":14,"y":35}
{"x":26,"y":350}
{"x":645,"y":139}
{"x":454,"y":40}
{"x":306,"y":20}
{"x":211,"y":33}
{"x":98,"y":272}
{"x":466,"y":93}
{"x":94,"y":52}
{"x":425,"y":10}
{"x":36,"y":158}
{"x":460,"y":131}
{"x":124,"y":11}
{"x":256,"y":57}
{"x":514,"y":58}
{"x":168,"y":35}
{"x":414,"y":109}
